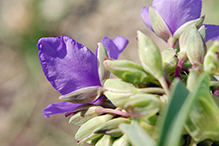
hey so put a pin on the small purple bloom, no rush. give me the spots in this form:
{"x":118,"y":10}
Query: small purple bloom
{"x":175,"y":13}
{"x":69,"y":66}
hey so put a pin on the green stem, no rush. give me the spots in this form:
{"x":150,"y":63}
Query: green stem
{"x":214,"y":83}
{"x":164,"y":84}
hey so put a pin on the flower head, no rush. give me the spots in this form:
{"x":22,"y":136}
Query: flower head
{"x":175,"y":13}
{"x":69,"y":66}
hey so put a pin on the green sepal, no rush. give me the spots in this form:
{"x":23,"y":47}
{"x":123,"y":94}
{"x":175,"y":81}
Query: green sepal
{"x":127,"y":71}
{"x":150,"y":56}
{"x":101,"y":55}
{"x":83,"y":95}
{"x":106,"y":140}
{"x":122,"y":141}
{"x":198,"y":22}
{"x":159,"y":25}
{"x":117,"y":91}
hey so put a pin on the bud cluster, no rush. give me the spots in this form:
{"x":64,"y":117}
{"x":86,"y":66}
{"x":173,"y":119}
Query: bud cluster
{"x":171,"y":98}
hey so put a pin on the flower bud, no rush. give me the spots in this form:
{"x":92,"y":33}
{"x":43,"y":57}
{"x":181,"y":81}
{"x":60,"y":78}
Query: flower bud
{"x":83,"y":95}
{"x":83,"y":116}
{"x":197,"y":22}
{"x":102,"y":71}
{"x":159,"y":25}
{"x":106,"y":140}
{"x":202,"y":31}
{"x":192,"y":43}
{"x":117,"y":91}
{"x":85,"y":132}
{"x":112,"y":124}
{"x":144,"y":104}
{"x":127,"y":71}
{"x":211,"y":60}
{"x":169,"y":59}
{"x":150,"y":56}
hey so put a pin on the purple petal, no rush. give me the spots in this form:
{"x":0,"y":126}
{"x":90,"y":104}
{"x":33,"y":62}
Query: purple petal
{"x":67,"y":64}
{"x":146,"y":17}
{"x":177,"y":12}
{"x":115,"y":46}
{"x":65,"y":107}
{"x":59,"y":108}
{"x":212,"y":32}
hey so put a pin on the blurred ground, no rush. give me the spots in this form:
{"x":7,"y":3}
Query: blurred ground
{"x":24,"y":91}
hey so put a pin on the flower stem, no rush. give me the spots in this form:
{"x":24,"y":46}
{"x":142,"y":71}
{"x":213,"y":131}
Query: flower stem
{"x":164,"y":84}
{"x":151,"y":90}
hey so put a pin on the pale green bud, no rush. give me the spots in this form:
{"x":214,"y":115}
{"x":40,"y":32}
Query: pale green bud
{"x":106,"y":140}
{"x":101,"y":55}
{"x":197,"y":22}
{"x":85,"y":132}
{"x":170,"y":59}
{"x":127,"y":71}
{"x":83,"y":95}
{"x":117,"y":91}
{"x":211,"y":60}
{"x":192,"y":43}
{"x":202,"y":31}
{"x":83,"y":116}
{"x":150,"y":56}
{"x":146,"y":105}
{"x":114,"y":132}
{"x":159,"y":25}
{"x":112,"y":124}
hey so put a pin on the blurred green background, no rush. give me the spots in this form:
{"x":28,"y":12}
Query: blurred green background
{"x":24,"y":91}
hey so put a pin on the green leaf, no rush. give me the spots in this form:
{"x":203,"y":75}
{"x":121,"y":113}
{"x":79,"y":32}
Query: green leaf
{"x":170,"y":126}
{"x":127,"y":71}
{"x":136,"y":135}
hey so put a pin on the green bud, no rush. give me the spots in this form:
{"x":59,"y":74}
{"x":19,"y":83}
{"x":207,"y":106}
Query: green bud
{"x":150,"y":56}
{"x":83,"y":95}
{"x":159,"y":25}
{"x":83,"y":116}
{"x":117,"y":91}
{"x":122,"y":141}
{"x":112,"y":124}
{"x":101,"y":54}
{"x":197,"y":22}
{"x":169,"y":59}
{"x":127,"y":71}
{"x":145,"y":104}
{"x":106,"y":140}
{"x":192,"y":78}
{"x":211,"y":60}
{"x":192,"y":43}
{"x":85,"y":132}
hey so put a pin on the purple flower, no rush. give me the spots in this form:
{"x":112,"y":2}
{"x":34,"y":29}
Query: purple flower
{"x":70,"y":66}
{"x":175,"y":13}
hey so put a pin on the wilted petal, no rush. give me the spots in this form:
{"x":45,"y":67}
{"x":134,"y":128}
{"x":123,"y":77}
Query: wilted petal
{"x":177,"y":12}
{"x":67,"y":64}
{"x":114,"y":47}
{"x":59,"y":108}
{"x":212,"y":32}
{"x":146,"y":17}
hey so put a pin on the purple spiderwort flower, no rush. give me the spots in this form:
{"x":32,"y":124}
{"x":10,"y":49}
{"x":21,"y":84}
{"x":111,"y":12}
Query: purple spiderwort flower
{"x":175,"y":13}
{"x":70,"y":66}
